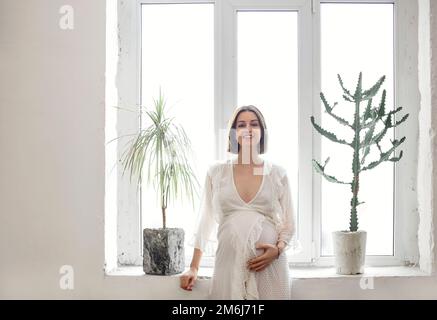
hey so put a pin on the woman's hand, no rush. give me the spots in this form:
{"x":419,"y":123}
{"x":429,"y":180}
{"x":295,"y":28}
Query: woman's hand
{"x":261,"y":262}
{"x":188,"y":279}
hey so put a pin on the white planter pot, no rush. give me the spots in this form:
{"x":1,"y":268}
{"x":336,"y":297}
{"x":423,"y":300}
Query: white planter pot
{"x":349,"y":251}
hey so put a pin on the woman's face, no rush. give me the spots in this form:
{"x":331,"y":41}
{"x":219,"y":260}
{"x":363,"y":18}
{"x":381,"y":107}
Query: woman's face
{"x":248,"y":129}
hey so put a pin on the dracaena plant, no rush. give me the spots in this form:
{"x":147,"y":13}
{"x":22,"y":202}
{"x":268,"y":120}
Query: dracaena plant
{"x":164,"y":146}
{"x":366,"y":136}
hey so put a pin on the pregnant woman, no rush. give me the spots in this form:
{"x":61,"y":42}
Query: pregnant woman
{"x":249,"y":200}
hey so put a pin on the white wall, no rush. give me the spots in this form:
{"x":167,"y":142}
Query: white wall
{"x":52,"y":157}
{"x":52,"y":165}
{"x":426,"y":136}
{"x":433,"y":27}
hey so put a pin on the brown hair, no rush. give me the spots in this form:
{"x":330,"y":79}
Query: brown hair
{"x":233,"y":146}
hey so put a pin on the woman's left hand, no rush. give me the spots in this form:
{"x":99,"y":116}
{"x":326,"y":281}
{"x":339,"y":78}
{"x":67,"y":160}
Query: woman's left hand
{"x":259,"y":263}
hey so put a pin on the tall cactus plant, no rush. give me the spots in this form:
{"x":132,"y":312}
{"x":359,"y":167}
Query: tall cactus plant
{"x":364,"y":125}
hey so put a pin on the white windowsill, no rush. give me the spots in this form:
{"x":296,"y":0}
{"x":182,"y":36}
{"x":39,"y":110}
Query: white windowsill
{"x":297,"y":272}
{"x":375,"y":272}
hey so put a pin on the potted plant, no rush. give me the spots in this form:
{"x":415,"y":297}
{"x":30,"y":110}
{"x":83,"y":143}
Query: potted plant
{"x":350,"y":245}
{"x":164,"y":147}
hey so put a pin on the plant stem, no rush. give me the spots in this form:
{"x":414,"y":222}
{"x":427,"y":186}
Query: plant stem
{"x":356,"y":169}
{"x":163,"y":217}
{"x":353,"y":225}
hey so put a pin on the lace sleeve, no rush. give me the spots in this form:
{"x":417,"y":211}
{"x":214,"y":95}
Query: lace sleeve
{"x":287,"y":230}
{"x":205,"y":221}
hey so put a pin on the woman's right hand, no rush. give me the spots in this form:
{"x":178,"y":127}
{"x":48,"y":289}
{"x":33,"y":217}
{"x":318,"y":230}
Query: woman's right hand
{"x":188,"y":279}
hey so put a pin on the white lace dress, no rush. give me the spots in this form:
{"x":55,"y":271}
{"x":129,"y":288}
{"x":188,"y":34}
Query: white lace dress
{"x":238,"y":226}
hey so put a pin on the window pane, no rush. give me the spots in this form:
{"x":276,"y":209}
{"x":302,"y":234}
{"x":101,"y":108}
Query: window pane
{"x":355,"y":38}
{"x":268,"y":79}
{"x":178,"y":57}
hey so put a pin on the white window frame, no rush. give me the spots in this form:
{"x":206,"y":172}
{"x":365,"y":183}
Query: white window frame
{"x":405,"y":175}
{"x":129,"y":225}
{"x":129,"y":234}
{"x":228,"y":58}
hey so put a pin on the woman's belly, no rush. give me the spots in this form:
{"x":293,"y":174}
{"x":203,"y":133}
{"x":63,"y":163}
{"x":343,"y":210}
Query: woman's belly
{"x":268,"y":235}
{"x":247,"y":228}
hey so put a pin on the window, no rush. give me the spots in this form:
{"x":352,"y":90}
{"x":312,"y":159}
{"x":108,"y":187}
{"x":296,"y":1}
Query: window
{"x":268,"y":78}
{"x":350,"y":45}
{"x":178,"y":58}
{"x":207,"y":57}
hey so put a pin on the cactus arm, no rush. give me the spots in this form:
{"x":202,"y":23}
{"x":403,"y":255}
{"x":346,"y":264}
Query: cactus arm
{"x":385,"y":156}
{"x":359,"y":89}
{"x":388,"y":124}
{"x":327,"y":134}
{"x":330,"y":109}
{"x":396,"y":159}
{"x":347,"y":93}
{"x":376,"y":115}
{"x":369,"y":94}
{"x":321,"y":169}
{"x":345,"y":97}
{"x":369,"y":135}
{"x":379,"y":147}
{"x":392,"y":113}
{"x":365,"y":154}
{"x":367,"y":113}
{"x":366,"y":145}
{"x":369,"y":139}
{"x":370,"y":124}
{"x":381,"y":110}
{"x":402,"y":120}
{"x":377,"y":138}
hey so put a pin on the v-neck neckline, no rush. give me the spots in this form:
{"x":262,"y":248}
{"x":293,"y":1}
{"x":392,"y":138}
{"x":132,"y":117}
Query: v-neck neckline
{"x":259,"y":189}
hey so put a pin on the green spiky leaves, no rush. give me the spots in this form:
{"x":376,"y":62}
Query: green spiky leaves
{"x":165,"y":148}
